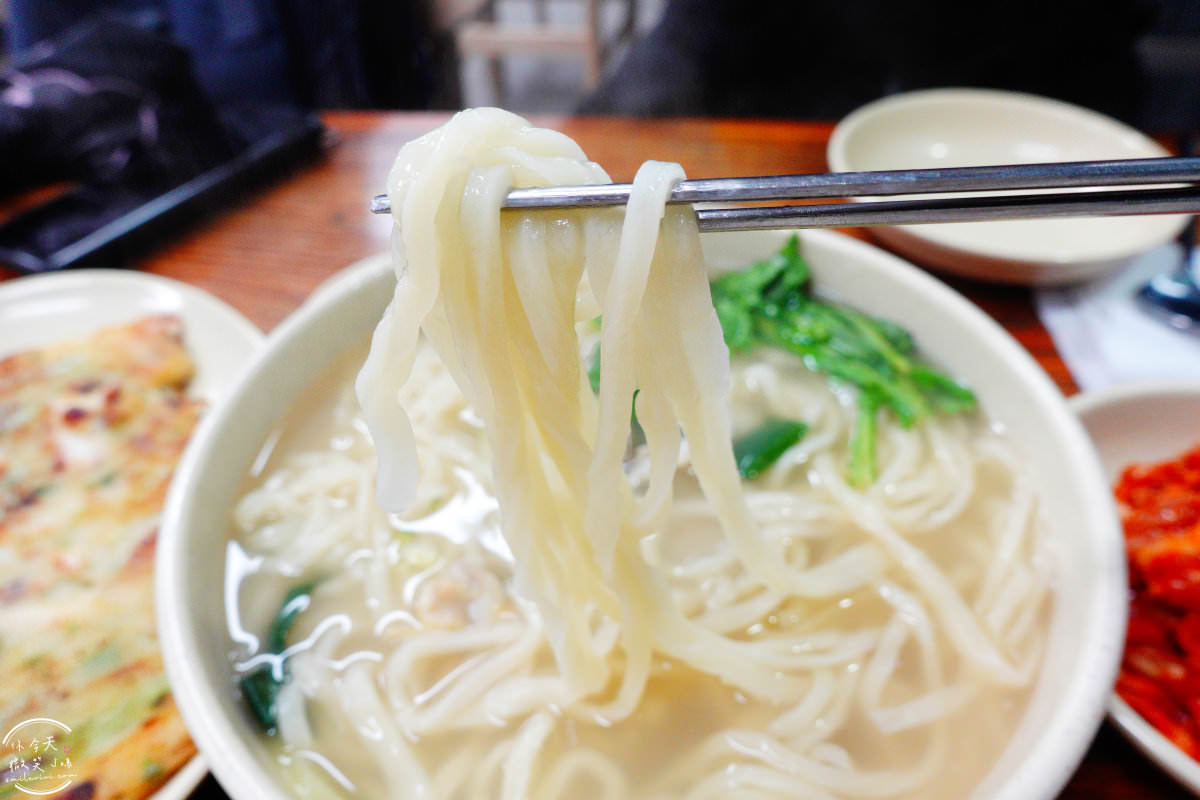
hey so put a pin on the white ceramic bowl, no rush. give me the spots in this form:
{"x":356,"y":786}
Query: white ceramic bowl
{"x":1144,"y":422}
{"x":975,"y":127}
{"x":1088,"y":620}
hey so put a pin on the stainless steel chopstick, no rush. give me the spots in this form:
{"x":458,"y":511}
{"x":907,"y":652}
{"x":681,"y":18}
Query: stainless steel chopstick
{"x":1184,"y":200}
{"x":1069,"y":175}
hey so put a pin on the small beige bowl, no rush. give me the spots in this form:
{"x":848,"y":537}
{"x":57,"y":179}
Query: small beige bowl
{"x":1144,"y":423}
{"x":1088,"y":620}
{"x":976,"y":127}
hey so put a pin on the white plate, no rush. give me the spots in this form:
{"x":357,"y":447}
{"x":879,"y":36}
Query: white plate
{"x":1144,"y":422}
{"x":41,"y":309}
{"x":975,"y":127}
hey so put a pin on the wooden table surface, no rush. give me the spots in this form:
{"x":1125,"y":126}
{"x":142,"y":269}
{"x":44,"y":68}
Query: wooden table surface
{"x":265,"y":255}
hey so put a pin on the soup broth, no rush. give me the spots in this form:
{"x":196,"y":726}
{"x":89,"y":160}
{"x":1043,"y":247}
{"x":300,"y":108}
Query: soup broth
{"x":414,"y":631}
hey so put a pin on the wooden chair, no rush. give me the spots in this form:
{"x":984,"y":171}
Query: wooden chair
{"x":481,"y":32}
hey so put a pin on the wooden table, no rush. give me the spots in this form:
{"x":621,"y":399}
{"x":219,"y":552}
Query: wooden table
{"x":268,"y":253}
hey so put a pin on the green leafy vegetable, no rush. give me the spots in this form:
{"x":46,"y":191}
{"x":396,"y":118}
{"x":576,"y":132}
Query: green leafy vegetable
{"x":261,"y":687}
{"x":762,"y":447}
{"x":637,"y":435}
{"x":293,"y":603}
{"x":770,"y":303}
{"x":862,"y":443}
{"x":593,"y":370}
{"x":947,"y":396}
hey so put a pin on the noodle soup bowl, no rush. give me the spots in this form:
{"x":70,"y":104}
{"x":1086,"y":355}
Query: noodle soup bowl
{"x":1086,"y":625}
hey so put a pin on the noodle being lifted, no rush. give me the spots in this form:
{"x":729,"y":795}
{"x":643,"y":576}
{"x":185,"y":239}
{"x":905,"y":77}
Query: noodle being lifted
{"x":654,"y":626}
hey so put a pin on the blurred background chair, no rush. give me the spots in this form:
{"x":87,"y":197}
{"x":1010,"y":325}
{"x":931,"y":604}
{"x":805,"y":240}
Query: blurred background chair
{"x":518,"y":53}
{"x":488,"y":32}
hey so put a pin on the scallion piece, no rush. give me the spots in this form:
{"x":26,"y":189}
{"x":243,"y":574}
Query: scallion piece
{"x":758,"y":450}
{"x":261,"y":687}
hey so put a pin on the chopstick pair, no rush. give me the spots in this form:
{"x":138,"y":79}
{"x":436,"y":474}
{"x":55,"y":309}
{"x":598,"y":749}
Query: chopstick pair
{"x":1149,"y":175}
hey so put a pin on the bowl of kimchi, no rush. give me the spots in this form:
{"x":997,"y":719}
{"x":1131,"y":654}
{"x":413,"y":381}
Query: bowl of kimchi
{"x":1148,"y":439}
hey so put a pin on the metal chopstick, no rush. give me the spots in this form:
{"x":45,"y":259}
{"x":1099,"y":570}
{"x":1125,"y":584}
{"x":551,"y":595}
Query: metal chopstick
{"x":1185,"y":200}
{"x":890,"y":182}
{"x":1080,"y":174}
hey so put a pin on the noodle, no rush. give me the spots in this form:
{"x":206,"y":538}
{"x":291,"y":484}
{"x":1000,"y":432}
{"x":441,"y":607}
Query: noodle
{"x":649,"y":626}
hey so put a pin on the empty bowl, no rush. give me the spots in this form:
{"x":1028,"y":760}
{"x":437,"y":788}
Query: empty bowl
{"x":976,"y":127}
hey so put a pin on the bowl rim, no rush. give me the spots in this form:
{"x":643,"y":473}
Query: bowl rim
{"x":1000,"y":256}
{"x":1095,"y":399}
{"x":195,"y":697}
{"x":1046,"y":768}
{"x":1144,"y":736}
